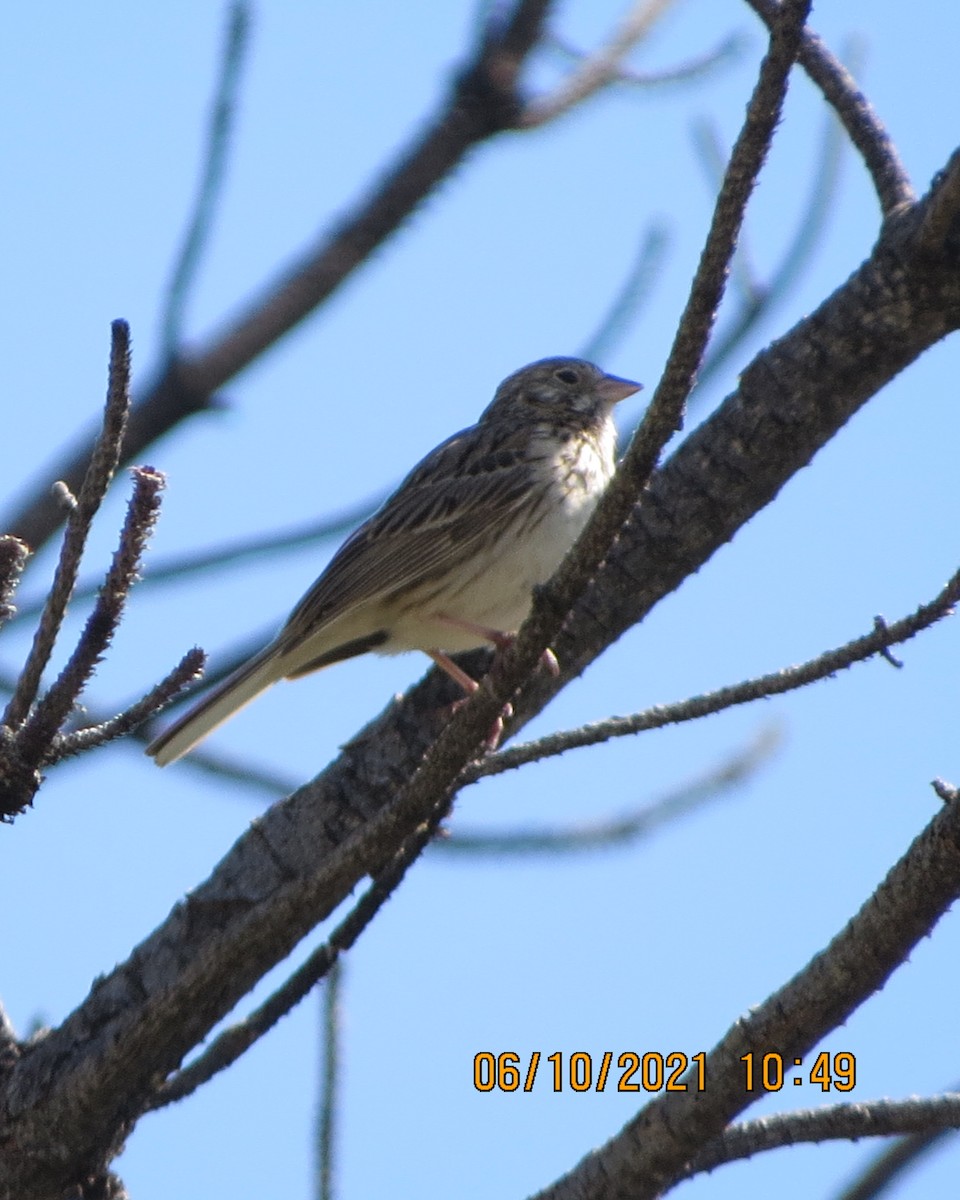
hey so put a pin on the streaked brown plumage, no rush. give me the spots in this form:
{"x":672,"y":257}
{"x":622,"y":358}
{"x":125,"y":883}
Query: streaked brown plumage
{"x":450,"y":560}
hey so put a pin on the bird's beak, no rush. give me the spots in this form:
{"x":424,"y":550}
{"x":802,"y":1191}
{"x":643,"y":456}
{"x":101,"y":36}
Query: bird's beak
{"x":613,"y":389}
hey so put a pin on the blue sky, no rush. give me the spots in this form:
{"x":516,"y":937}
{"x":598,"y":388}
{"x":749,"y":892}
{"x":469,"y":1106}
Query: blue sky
{"x":654,"y":947}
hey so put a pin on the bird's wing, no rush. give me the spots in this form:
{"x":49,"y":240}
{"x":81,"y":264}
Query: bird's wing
{"x":462,"y":491}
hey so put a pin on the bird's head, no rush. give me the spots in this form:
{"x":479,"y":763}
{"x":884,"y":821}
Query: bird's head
{"x":567,"y":390}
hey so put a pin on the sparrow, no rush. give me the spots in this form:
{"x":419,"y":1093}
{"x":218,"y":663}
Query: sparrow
{"x":450,"y":560}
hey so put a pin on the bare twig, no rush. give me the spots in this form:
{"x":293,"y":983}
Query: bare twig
{"x":693,"y":68}
{"x":625,"y":830}
{"x":13,"y":557}
{"x":219,"y":134}
{"x":430,"y":788}
{"x":29,"y":735}
{"x":599,"y":69}
{"x":291,"y":869}
{"x":483,"y":102}
{"x":892,"y":1162}
{"x":227,"y":661}
{"x":159,"y":696}
{"x":706,"y":141}
{"x":24,"y":750}
{"x":633,"y":294}
{"x":96,"y":480}
{"x":824,"y":178}
{"x":928,"y":1118}
{"x":862,"y":124}
{"x":664,"y":414}
{"x":52,"y":710}
{"x":329,"y":1080}
{"x":436,"y":775}
{"x":786,"y":680}
{"x":175,"y":567}
{"x":758,"y":299}
{"x":101,"y":728}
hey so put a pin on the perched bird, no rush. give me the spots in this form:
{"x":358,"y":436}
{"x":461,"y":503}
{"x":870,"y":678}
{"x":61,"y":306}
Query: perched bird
{"x":450,"y":561}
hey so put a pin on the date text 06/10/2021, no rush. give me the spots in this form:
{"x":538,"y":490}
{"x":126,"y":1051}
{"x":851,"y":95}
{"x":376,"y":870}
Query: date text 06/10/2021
{"x":653,"y":1071}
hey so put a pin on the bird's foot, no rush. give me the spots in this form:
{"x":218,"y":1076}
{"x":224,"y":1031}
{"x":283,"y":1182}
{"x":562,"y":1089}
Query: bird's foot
{"x":469,"y":686}
{"x":495,"y":733}
{"x":501,"y":641}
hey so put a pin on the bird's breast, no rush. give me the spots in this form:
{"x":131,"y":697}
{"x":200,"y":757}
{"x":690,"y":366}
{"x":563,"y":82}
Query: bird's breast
{"x":494,"y":586}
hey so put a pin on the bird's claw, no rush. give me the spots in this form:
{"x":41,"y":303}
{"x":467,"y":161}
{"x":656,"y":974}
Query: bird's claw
{"x":495,"y":733}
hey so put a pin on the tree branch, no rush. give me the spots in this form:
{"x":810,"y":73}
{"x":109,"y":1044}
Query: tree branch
{"x":892,"y":1162}
{"x":691,"y":69}
{"x":158,"y":697}
{"x":652,"y":1151}
{"x":298,"y":862}
{"x":890,"y":179}
{"x":52,"y":710}
{"x":484,"y":100}
{"x":234,"y":1041}
{"x":13,"y":558}
{"x":632,"y":295}
{"x":329,"y":1082}
{"x":219,"y":136}
{"x":97,"y":476}
{"x":594,"y":835}
{"x":175,"y":567}
{"x":788,"y":679}
{"x":597,"y":70}
{"x":664,"y":416}
{"x":927,"y":1118}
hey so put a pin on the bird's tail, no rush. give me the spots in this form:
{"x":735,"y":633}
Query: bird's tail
{"x":228,"y":697}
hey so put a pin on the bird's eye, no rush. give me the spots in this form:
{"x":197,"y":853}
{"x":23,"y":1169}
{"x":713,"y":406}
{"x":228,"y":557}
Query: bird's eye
{"x":566,"y":375}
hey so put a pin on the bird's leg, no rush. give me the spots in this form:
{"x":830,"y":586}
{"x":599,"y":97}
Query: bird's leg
{"x":501,"y":640}
{"x":457,"y":674}
{"x":470,"y":685}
